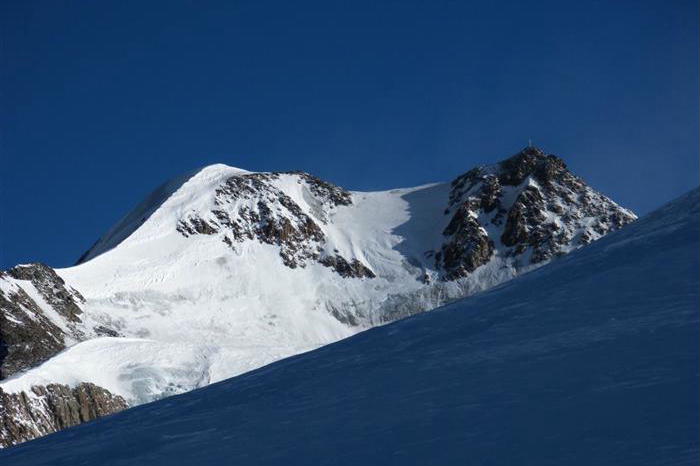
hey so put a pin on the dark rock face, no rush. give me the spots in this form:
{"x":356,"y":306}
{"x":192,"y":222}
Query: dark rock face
{"x":329,"y":193}
{"x":47,"y":409}
{"x":27,"y":335}
{"x":347,"y":269}
{"x":195,"y":225}
{"x":252,"y":207}
{"x":102,"y":331}
{"x":529,"y":202}
{"x":468,"y":248}
{"x":525,"y":215}
{"x":52,"y":288}
{"x":531,"y":161}
{"x":25,"y":341}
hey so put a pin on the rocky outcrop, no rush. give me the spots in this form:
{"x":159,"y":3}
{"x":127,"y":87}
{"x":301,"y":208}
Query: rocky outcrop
{"x":327,"y":192}
{"x":253,"y":207}
{"x":65,"y":300}
{"x":529,"y":207}
{"x":346,"y":269}
{"x":46,"y":409}
{"x":35,"y":325}
{"x":27,"y":336}
{"x":39,"y":317}
{"x":470,"y":245}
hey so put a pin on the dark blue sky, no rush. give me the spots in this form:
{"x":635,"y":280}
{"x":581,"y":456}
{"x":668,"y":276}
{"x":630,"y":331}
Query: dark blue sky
{"x":102,"y":101}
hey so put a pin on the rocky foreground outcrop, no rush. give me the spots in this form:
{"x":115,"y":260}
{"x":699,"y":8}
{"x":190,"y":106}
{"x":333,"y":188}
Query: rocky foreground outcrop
{"x":46,"y":409}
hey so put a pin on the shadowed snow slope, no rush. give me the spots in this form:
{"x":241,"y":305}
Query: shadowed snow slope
{"x":590,"y":360}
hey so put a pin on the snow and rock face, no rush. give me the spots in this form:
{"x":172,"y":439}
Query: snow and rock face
{"x":529,"y":207}
{"x":254,"y":207}
{"x":222,"y":271}
{"x":39,"y":314}
{"x":590,"y":360}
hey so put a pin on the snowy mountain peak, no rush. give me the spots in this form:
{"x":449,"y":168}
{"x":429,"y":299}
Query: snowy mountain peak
{"x":171,"y":195}
{"x":592,"y":360}
{"x":529,"y":207}
{"x":223,"y":270}
{"x":287,"y":210}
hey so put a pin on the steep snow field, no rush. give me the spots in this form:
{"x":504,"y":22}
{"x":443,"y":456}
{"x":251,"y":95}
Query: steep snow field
{"x":591,"y":360}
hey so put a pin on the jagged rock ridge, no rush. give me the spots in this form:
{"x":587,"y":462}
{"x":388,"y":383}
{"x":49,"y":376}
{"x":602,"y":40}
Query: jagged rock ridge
{"x":273,"y":217}
{"x":530,"y":203}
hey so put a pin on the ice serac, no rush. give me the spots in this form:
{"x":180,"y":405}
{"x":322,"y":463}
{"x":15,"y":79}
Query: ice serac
{"x":590,"y":360}
{"x":224,"y":270}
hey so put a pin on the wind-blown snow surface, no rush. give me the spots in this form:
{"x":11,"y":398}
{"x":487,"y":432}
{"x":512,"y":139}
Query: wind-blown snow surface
{"x":590,"y":360}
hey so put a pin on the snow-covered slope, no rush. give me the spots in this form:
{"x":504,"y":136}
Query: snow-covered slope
{"x":590,"y":360}
{"x":223,"y":271}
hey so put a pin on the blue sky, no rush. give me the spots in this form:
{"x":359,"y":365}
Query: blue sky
{"x":102,"y":101}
